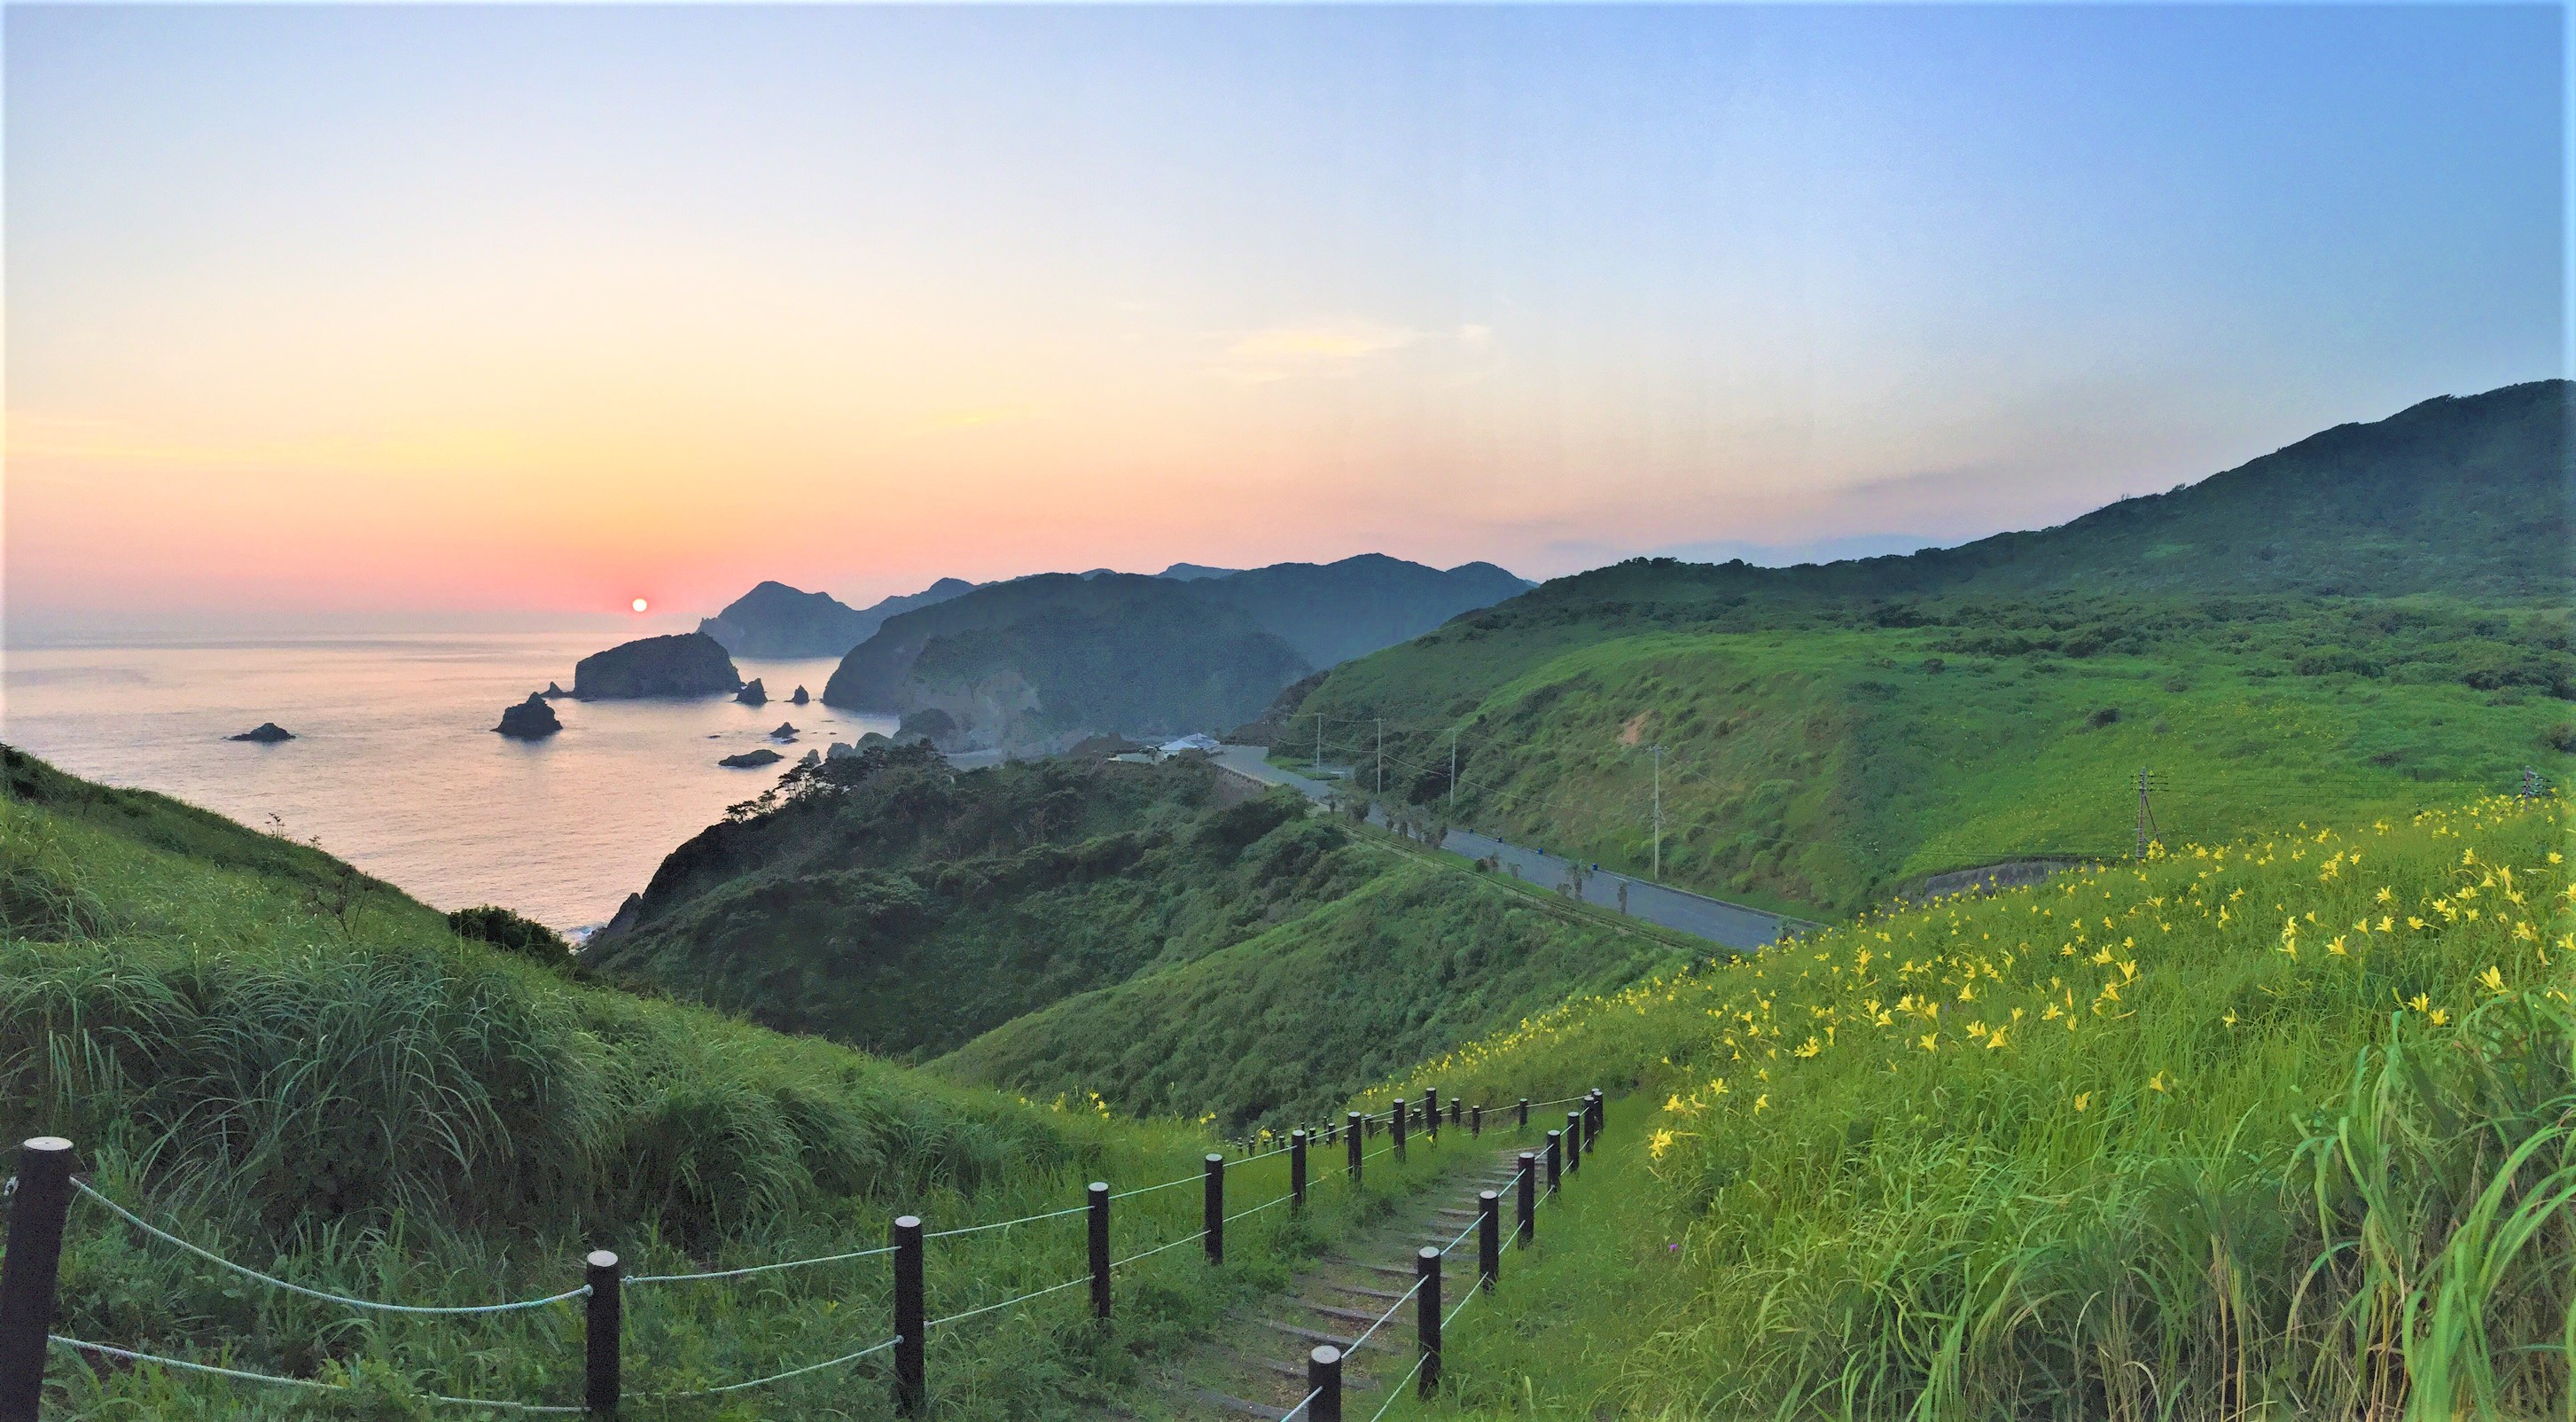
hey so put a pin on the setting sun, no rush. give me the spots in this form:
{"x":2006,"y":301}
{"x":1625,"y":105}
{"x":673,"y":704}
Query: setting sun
{"x":638,"y":604}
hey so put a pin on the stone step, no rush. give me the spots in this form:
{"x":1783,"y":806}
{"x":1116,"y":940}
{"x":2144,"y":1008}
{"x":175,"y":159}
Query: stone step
{"x":1236,"y":1406}
{"x":1313,"y":1335}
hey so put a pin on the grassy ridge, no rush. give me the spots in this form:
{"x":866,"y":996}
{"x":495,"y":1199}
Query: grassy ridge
{"x":1830,"y":762}
{"x":897,"y":905}
{"x":1272,"y":1030}
{"x":2283,"y":1124}
{"x":307,"y":1072}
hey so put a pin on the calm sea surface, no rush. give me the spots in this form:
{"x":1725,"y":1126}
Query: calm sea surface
{"x":396,"y":767}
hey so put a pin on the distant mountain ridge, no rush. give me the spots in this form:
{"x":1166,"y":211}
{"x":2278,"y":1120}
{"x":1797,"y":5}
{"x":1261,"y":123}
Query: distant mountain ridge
{"x":775,"y":620}
{"x":1034,"y":660}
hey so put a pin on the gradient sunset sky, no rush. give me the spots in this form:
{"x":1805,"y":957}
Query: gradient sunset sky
{"x":462,"y":313}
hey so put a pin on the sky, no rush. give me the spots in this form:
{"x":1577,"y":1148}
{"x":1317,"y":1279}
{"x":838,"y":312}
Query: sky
{"x":476,"y":315}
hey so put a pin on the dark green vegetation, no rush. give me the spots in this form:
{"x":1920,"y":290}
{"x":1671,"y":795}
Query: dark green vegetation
{"x":1039,"y":662}
{"x":775,"y":620}
{"x":1332,"y":612}
{"x":511,"y":933}
{"x":1272,"y":1029}
{"x":310,"y":1073}
{"x":1050,"y":658}
{"x":1834,"y":733}
{"x":2284,"y":1127}
{"x":1070,"y":928}
{"x":896,"y":904}
{"x":690,"y":664}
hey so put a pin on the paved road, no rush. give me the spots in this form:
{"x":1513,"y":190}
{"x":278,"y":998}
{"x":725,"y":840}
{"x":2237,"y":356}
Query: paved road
{"x":1733,"y":925}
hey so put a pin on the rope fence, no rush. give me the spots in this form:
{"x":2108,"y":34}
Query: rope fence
{"x":41,"y":1194}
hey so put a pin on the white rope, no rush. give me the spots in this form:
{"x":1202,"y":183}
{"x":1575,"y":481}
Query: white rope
{"x":1266,"y":1204}
{"x":316,"y":1384}
{"x":773,"y":1377}
{"x":1159,"y":1248}
{"x":1006,"y":1224}
{"x":758,"y":1268}
{"x":1006,"y":1303}
{"x":1396,"y":1391}
{"x":1383,"y":1317}
{"x":1301,"y":1405}
{"x":249,"y":1273}
{"x":1166,"y":1185}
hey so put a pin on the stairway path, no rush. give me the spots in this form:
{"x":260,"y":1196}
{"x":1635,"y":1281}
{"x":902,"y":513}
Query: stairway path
{"x":1255,"y":1364}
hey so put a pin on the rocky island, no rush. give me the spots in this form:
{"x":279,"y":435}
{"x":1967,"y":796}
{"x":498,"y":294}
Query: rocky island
{"x":690,"y":664}
{"x":753,"y":693}
{"x":752,"y":759}
{"x":530,"y":720}
{"x":267,"y":733}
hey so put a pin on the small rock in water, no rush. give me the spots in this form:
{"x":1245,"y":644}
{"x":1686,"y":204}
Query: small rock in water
{"x":786,"y":732}
{"x":800,"y":698}
{"x":530,"y":720}
{"x":750,"y":760}
{"x":553,"y":692}
{"x":812,"y":757}
{"x":752,"y":693}
{"x":267,"y":733}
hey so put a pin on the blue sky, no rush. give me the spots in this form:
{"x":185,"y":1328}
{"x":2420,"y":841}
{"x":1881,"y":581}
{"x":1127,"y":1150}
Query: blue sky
{"x":486,"y":307}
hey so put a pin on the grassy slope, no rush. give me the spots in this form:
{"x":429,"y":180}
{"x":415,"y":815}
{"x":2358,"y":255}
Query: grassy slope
{"x":304,"y":1069}
{"x":1272,"y":1030}
{"x":1826,"y":765}
{"x":899,"y":906}
{"x":2199,"y":1175}
{"x":2290,"y":624}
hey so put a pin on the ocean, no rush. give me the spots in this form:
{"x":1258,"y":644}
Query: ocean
{"x":395,"y":766}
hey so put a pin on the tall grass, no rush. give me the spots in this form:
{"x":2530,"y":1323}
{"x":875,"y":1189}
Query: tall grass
{"x":335,"y":1089}
{"x":2267,"y":1129}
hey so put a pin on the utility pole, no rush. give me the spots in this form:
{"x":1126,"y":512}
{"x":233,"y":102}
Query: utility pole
{"x":1658,"y":749}
{"x":1453,"y":772}
{"x":1319,"y":745}
{"x":1381,"y":757}
{"x":2146,"y":813}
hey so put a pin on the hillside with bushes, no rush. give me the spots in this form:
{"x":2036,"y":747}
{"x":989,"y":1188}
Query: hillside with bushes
{"x":299,"y":1067}
{"x":1076,"y":926}
{"x":1832,"y":735}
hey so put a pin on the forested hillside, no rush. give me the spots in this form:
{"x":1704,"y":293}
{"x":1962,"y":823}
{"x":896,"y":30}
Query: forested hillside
{"x":1080,"y":926}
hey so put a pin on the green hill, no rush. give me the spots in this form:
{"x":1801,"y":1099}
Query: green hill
{"x":1833,"y":734}
{"x":1076,"y":927}
{"x":306,"y":1071}
{"x":2273,"y":1127}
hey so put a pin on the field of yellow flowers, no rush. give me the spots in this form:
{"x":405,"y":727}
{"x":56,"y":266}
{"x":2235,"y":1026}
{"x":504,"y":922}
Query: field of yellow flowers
{"x":2273,"y":1128}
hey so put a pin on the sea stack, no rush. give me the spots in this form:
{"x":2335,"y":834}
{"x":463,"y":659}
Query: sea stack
{"x":752,"y":693}
{"x":553,"y":691}
{"x":800,"y":698}
{"x":267,"y":733}
{"x":530,"y":720}
{"x":691,"y":664}
{"x":751,"y":760}
{"x":786,"y":731}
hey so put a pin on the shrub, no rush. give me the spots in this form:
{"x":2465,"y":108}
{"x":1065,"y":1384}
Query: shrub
{"x":512,"y":933}
{"x":2108,"y":715}
{"x":2560,"y":737}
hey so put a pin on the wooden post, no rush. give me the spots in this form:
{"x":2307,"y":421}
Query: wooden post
{"x":1476,"y":1124}
{"x":1453,"y":1110}
{"x":1426,"y":1316}
{"x":1214,"y":1211}
{"x":1099,"y":1221}
{"x":1431,"y":1113}
{"x":1357,"y":1139}
{"x":1529,"y":1198}
{"x":1555,"y":1159}
{"x":1573,"y":1141}
{"x":28,"y":1276}
{"x":603,"y":1323}
{"x":1489,"y":1238}
{"x":911,"y":1320}
{"x":1296,"y":1172}
{"x":1395,"y":1123}
{"x":1595,"y":1110}
{"x":1324,"y":1380}
{"x":1523,"y":1123}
